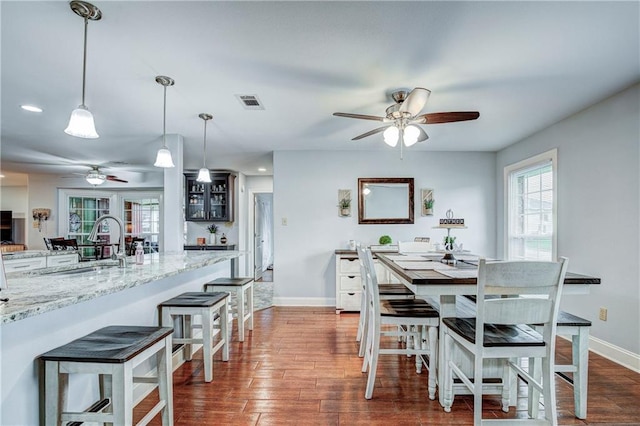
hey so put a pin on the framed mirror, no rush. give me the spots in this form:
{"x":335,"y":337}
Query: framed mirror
{"x":385,"y":200}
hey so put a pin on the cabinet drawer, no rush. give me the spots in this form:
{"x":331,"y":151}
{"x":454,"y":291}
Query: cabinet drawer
{"x":25,"y":264}
{"x":349,"y":301}
{"x":65,"y":259}
{"x":350,"y":282}
{"x":350,"y":265}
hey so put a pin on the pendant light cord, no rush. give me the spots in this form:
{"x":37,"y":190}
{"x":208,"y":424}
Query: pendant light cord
{"x":164,"y":120}
{"x":84,"y":59}
{"x":204,"y":149}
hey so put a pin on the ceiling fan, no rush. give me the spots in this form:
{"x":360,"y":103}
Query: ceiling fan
{"x":97,"y":177}
{"x":403,"y":117}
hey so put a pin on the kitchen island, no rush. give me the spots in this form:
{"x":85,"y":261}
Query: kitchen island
{"x":53,"y":306}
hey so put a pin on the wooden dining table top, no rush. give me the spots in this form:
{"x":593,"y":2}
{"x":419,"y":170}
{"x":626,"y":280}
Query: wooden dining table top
{"x":433,"y":277}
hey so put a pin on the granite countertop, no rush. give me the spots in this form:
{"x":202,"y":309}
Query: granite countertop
{"x":35,"y":292}
{"x":27,"y":254}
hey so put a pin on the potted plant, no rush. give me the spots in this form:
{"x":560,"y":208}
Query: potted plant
{"x":448,"y":243}
{"x":384,"y":240}
{"x":428,"y":206}
{"x":213,"y":230}
{"x":345,"y":206}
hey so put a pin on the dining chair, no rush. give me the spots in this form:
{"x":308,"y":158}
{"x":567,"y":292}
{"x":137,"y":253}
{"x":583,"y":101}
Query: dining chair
{"x":414,"y":246}
{"x":529,"y":293}
{"x":409,"y":317}
{"x":388,"y":291}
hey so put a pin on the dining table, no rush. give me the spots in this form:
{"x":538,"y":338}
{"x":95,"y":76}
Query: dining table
{"x":441,"y":282}
{"x":98,"y":248}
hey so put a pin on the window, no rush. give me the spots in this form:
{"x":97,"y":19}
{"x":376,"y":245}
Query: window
{"x":531,"y":208}
{"x":83,"y":211}
{"x":142,"y":219}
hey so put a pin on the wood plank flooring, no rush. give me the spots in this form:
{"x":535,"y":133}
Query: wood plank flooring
{"x":299,"y":366}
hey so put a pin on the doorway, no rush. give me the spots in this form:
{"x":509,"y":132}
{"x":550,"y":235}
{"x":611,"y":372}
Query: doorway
{"x":263,"y":237}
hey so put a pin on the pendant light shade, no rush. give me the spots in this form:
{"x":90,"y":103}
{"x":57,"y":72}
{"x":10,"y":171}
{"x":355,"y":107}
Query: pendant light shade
{"x":163,"y":159}
{"x":94,"y":177}
{"x":81,"y":123}
{"x":203,"y":174}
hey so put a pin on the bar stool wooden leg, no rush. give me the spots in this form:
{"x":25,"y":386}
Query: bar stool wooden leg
{"x":165,"y":387}
{"x":207,"y":328}
{"x":241,"y":302}
{"x":224,"y":330}
{"x":580,"y":355}
{"x":250,"y":303}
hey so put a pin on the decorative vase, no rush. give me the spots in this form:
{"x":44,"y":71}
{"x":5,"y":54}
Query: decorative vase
{"x":212,"y":239}
{"x":428,"y":212}
{"x":344,"y":212}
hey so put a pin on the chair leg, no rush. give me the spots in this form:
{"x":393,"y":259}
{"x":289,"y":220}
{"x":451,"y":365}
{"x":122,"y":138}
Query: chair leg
{"x":165,"y":388}
{"x":549,"y":390}
{"x":250,"y":306}
{"x":507,"y":381}
{"x":535,"y":370}
{"x":373,"y":365}
{"x":477,"y":390}
{"x":207,"y":345}
{"x":240,"y":311}
{"x":580,"y":356}
{"x":364,"y":332}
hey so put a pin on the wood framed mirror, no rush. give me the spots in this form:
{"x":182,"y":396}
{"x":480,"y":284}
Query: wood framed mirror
{"x":385,"y":200}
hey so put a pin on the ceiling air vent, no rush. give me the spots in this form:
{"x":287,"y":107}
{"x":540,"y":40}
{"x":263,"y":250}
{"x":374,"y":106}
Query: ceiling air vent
{"x":250,"y":101}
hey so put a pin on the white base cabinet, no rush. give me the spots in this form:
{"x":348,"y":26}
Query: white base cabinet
{"x":349,"y":283}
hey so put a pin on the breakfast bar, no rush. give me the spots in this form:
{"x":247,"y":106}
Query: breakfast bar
{"x":52,"y":306}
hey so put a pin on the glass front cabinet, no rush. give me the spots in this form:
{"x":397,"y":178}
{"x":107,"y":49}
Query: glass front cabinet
{"x":209,"y":202}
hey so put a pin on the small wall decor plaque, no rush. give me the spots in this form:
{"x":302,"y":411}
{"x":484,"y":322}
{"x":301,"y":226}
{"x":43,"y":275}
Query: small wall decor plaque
{"x":427,"y":201}
{"x":344,"y":202}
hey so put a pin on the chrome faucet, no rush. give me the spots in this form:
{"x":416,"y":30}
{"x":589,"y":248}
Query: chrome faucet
{"x":93,"y":236}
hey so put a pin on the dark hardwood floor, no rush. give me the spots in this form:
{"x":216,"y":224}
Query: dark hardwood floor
{"x":299,"y":366}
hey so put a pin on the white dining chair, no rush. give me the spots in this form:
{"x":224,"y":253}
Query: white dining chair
{"x":407,"y":317}
{"x":500,"y":331}
{"x":388,"y":291}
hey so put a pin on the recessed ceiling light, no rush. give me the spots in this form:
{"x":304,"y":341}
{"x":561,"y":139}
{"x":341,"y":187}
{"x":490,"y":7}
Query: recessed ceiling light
{"x":31,"y":108}
{"x":262,"y":169}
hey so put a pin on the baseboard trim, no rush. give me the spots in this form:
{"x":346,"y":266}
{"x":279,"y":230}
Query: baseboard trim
{"x":615,"y":353}
{"x":304,"y":301}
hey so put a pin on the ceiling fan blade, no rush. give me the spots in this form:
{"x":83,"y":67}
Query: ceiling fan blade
{"x":416,"y":100}
{"x":360,"y":116}
{"x":116,"y":179}
{"x":448,"y":117}
{"x":370,"y":132}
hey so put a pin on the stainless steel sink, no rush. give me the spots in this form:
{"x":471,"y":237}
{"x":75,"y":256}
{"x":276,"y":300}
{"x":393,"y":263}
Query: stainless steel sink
{"x":96,"y":269}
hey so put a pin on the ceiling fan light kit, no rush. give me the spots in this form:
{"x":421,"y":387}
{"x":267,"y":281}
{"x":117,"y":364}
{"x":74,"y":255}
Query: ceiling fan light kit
{"x":81,"y":123}
{"x":94,"y":177}
{"x":403,"y":117}
{"x":203,"y":174}
{"x":163,"y":158}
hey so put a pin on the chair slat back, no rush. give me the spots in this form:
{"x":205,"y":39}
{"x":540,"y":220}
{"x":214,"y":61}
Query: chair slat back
{"x":414,"y":246}
{"x":529,"y":293}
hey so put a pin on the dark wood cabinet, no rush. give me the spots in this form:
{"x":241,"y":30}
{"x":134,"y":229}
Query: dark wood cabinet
{"x":209,"y":202}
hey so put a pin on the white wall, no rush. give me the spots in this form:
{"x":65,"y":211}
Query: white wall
{"x":598,"y":209}
{"x":305,"y":192}
{"x":15,"y":198}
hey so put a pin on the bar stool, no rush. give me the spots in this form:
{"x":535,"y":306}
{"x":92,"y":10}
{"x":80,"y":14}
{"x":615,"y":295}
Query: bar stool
{"x":213,"y":311}
{"x":243,"y":286}
{"x":112,"y":353}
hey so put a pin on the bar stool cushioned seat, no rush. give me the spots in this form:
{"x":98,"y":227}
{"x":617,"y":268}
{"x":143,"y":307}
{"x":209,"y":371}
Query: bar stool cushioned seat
{"x":243,"y":287}
{"x":210,"y":307}
{"x":112,"y":353}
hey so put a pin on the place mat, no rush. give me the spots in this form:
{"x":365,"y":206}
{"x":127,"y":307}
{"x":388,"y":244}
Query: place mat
{"x":423,"y":265}
{"x":460,"y":273}
{"x":406,"y":257}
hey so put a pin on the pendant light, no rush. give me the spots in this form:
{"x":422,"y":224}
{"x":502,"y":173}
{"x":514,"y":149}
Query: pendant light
{"x":81,"y":122}
{"x":203,"y":174}
{"x":163,"y":159}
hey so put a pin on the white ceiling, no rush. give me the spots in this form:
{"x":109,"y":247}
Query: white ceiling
{"x":522,"y":65}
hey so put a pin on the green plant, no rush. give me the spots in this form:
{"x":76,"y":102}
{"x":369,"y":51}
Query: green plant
{"x":385,"y":239}
{"x":213,"y":228}
{"x":449,"y":241}
{"x":428,"y":203}
{"x":344,"y":203}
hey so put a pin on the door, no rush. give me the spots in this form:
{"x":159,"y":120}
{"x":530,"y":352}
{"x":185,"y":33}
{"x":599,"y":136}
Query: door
{"x":258,"y":238}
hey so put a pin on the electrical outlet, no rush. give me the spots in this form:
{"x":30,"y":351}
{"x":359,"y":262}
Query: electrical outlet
{"x":284,"y":221}
{"x":603,"y":314}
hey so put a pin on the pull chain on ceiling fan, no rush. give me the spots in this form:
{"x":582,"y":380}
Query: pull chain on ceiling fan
{"x":403,"y":117}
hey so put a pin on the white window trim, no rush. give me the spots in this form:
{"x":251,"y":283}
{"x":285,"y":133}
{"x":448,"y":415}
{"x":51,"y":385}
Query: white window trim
{"x":551,"y":155}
